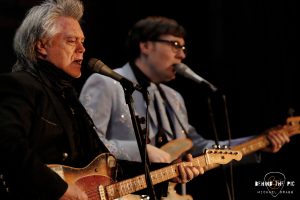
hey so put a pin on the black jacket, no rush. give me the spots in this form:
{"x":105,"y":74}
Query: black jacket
{"x":37,"y":128}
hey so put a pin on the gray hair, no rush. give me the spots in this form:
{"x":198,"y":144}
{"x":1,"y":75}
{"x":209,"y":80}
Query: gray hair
{"x":40,"y":23}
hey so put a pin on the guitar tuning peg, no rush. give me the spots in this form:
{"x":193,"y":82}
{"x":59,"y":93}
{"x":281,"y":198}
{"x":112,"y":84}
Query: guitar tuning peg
{"x":145,"y":197}
{"x":215,"y":146}
{"x":225,"y":147}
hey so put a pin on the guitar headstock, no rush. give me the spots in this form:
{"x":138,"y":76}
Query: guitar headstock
{"x":293,"y":125}
{"x":221,"y":156}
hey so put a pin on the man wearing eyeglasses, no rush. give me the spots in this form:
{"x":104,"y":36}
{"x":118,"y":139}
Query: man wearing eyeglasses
{"x":155,"y":45}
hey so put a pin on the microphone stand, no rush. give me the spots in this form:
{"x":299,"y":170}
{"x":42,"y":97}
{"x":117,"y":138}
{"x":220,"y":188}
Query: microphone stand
{"x":141,"y":138}
{"x":229,"y":188}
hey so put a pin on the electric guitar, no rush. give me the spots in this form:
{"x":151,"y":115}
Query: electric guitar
{"x":96,"y":179}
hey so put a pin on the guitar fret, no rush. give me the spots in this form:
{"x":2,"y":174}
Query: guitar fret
{"x":252,"y":145}
{"x":198,"y":162}
{"x":129,"y":186}
{"x":126,"y":187}
{"x":160,"y":175}
{"x":244,"y":150}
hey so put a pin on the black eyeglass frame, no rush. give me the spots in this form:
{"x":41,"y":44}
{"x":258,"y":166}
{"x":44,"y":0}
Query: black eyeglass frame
{"x":173,"y":44}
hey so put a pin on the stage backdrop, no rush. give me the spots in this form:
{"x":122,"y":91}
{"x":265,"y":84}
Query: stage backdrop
{"x":247,"y":48}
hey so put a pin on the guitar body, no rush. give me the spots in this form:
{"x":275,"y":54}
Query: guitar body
{"x":95,"y":179}
{"x":177,"y":147}
{"x":97,"y":173}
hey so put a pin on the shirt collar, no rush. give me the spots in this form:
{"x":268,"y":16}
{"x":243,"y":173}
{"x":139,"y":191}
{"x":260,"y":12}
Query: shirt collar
{"x":141,"y":78}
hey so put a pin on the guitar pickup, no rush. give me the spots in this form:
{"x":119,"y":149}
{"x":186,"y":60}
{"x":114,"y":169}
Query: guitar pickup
{"x":111,"y":161}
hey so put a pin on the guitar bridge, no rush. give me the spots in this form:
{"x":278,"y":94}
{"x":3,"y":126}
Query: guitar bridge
{"x":102,"y":192}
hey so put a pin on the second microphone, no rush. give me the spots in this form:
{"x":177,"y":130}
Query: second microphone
{"x":98,"y":66}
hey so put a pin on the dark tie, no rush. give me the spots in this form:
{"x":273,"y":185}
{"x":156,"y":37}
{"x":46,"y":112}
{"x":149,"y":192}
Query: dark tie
{"x":165,"y":124}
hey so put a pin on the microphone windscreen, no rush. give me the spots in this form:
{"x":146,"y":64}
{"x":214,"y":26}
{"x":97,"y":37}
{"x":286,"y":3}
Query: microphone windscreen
{"x":95,"y":64}
{"x":181,"y":68}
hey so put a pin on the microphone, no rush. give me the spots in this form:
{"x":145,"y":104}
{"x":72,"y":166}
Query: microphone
{"x":185,"y":71}
{"x":101,"y":68}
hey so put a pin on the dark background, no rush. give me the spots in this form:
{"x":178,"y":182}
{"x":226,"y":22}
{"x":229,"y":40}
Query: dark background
{"x":247,"y":48}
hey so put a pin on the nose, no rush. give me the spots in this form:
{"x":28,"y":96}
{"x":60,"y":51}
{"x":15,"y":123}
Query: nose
{"x":180,"y":54}
{"x":80,"y":47}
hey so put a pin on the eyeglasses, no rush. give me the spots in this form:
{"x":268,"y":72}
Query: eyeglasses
{"x":174,"y":44}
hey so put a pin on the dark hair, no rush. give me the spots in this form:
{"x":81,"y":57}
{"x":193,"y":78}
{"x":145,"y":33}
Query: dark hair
{"x":148,"y":29}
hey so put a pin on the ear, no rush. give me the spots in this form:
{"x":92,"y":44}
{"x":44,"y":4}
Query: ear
{"x":145,"y":47}
{"x":41,"y":48}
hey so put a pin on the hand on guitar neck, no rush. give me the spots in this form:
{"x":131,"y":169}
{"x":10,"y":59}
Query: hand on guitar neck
{"x":277,"y":138}
{"x":187,"y":173}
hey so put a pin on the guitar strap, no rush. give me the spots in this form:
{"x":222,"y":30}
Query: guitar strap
{"x":170,"y":108}
{"x":165,"y":125}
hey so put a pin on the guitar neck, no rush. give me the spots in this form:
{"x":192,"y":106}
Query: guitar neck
{"x":262,"y":141}
{"x":256,"y":144}
{"x":137,"y":183}
{"x":253,"y":145}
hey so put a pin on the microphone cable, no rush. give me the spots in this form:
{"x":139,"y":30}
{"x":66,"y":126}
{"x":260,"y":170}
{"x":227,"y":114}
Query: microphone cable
{"x":213,"y":122}
{"x":230,"y":188}
{"x":229,"y":184}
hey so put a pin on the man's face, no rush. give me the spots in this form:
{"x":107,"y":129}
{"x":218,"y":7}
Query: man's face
{"x":162,"y":55}
{"x":65,"y":48}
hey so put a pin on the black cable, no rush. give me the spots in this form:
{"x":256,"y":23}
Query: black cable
{"x":228,"y":129}
{"x":213,"y":123}
{"x":229,"y":145}
{"x":229,"y":192}
{"x":229,"y":187}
